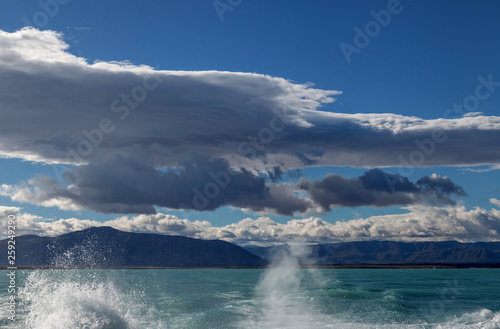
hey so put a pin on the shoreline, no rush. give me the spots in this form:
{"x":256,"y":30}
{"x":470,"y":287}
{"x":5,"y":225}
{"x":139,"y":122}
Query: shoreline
{"x":339,"y":266}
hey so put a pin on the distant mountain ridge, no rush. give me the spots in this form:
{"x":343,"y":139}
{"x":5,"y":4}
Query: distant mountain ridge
{"x":396,"y":253}
{"x":105,"y":247}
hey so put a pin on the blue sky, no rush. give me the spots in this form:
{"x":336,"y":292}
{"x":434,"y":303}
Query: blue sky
{"x":430,"y":56}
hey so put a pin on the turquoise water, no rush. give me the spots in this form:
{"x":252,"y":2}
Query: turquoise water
{"x":284,"y":297}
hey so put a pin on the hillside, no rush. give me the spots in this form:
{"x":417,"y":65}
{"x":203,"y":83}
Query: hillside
{"x":401,"y":253}
{"x":106,"y":247}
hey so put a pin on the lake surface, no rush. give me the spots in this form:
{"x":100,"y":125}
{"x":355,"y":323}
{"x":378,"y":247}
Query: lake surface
{"x":284,"y":297}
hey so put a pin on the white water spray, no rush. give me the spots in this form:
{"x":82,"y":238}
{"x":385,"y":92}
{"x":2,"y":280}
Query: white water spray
{"x":281,"y":300}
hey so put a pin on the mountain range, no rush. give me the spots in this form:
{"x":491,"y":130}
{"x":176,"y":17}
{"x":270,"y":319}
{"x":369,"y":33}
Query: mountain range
{"x":105,"y":247}
{"x":395,"y":253}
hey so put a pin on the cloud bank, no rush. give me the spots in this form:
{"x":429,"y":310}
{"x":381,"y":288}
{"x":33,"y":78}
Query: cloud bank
{"x":140,"y":138}
{"x":379,"y":189}
{"x":59,"y":108}
{"x":125,"y":186}
{"x":421,"y":223}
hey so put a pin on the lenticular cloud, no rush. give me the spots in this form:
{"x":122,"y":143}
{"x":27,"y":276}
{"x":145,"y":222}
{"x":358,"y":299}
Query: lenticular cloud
{"x":59,"y":108}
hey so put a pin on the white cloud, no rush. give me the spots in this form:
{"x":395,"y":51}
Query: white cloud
{"x":494,"y":201}
{"x":419,"y":224}
{"x":33,"y":194}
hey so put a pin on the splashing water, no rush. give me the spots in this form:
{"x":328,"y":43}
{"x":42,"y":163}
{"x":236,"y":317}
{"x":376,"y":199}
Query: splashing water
{"x":283,"y":296}
{"x":90,"y":254}
{"x":484,"y":319}
{"x":281,"y":300}
{"x":58,"y":299}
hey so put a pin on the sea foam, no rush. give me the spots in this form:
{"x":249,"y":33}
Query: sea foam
{"x":61,"y":299}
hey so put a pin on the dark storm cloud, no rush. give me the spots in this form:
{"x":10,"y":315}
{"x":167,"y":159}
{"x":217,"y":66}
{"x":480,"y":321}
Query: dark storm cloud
{"x":125,"y":185}
{"x":377,"y":188}
{"x":275,"y":174}
{"x":439,"y":188}
{"x":441,"y":184}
